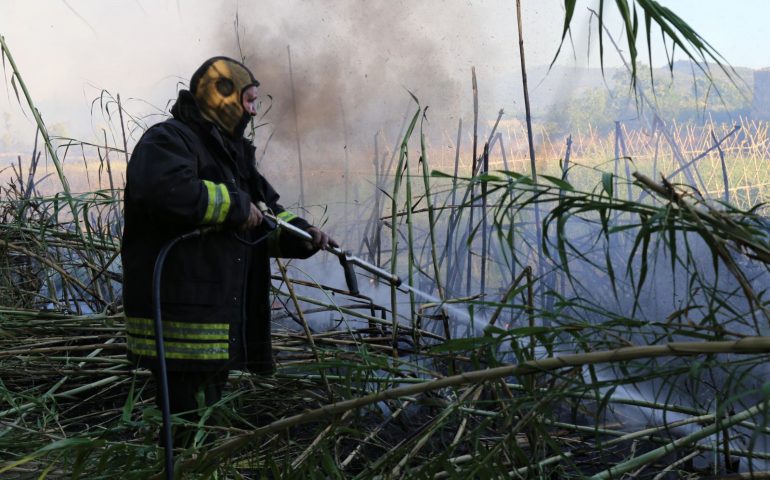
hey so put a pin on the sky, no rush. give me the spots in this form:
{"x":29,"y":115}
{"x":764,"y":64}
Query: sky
{"x":737,"y":29}
{"x":354,"y":63}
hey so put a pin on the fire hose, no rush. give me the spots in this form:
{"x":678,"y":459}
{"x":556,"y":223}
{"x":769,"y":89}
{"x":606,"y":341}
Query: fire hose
{"x":273,"y":223}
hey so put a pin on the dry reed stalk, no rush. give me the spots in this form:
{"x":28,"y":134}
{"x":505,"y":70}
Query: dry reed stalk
{"x":657,"y":453}
{"x":303,"y":322}
{"x":296,"y":131}
{"x":432,"y":427}
{"x":319,"y":438}
{"x":54,"y":266}
{"x":746,"y":345}
{"x":63,"y":348}
{"x":423,"y":161}
{"x":373,"y":433}
{"x":673,"y":465}
{"x":472,"y":186}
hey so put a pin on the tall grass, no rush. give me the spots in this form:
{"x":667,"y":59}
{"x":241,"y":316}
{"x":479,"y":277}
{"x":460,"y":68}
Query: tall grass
{"x":635,"y":343}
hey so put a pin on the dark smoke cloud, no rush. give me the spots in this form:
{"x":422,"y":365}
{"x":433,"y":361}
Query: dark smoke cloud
{"x":363,"y":58}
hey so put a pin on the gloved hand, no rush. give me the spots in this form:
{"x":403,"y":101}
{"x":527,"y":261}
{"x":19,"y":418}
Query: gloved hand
{"x":254,"y":220}
{"x":320,"y":238}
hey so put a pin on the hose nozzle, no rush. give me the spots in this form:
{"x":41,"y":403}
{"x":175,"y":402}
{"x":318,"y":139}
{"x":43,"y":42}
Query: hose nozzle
{"x":346,"y":259}
{"x":350,"y":274}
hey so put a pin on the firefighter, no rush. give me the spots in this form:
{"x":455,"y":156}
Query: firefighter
{"x":191,"y":171}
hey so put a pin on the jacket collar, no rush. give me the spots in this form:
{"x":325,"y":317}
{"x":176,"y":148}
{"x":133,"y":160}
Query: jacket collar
{"x":186,"y":110}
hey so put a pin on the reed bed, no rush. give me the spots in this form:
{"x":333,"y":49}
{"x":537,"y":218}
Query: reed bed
{"x":649,"y":148}
{"x":596,"y":321}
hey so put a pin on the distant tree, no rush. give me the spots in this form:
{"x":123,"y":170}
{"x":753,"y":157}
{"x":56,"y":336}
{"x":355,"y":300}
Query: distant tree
{"x":689,"y":96}
{"x":594,"y":108}
{"x":675,"y":33}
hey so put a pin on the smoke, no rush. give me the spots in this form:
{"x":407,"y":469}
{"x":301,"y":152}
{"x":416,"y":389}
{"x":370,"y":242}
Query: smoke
{"x":349,"y":58}
{"x":349,"y":71}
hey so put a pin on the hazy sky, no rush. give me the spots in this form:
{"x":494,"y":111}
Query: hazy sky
{"x":350,"y":57}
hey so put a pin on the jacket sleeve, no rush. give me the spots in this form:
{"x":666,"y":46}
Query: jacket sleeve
{"x":164,"y":178}
{"x":284,"y":244}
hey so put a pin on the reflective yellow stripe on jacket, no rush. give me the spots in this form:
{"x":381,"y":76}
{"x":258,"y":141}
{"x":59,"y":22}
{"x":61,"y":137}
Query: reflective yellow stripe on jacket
{"x":274,"y":240}
{"x":287,"y":216}
{"x":218,"y":202}
{"x":182,"y":340}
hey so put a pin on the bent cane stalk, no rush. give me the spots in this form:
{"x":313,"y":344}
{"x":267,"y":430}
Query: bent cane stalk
{"x":745,"y":346}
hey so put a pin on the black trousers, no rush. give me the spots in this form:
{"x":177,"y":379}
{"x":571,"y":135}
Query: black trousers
{"x":188,"y":392}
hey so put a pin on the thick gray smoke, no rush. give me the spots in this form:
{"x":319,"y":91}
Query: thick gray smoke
{"x":348,"y":57}
{"x":353,"y":67}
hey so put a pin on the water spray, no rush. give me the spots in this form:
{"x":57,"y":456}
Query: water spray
{"x":347,"y":260}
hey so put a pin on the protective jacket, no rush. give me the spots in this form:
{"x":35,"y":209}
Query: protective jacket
{"x":186,"y":174}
